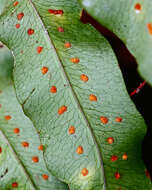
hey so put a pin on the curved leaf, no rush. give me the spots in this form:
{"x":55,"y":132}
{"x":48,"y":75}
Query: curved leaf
{"x":19,"y":141}
{"x":75,"y":96}
{"x":131,"y":21}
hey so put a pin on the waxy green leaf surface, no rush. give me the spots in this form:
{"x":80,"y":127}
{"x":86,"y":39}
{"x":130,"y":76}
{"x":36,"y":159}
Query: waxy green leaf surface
{"x":19,"y":141}
{"x":67,"y":77}
{"x":131,"y":21}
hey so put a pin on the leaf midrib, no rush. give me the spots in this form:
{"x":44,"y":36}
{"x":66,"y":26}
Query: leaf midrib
{"x":71,"y":89}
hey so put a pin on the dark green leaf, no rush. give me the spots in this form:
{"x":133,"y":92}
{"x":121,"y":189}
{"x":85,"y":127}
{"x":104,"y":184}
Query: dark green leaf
{"x":131,"y":21}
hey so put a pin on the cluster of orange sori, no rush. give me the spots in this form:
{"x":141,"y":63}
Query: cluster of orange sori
{"x":83,"y":77}
{"x":25,"y":144}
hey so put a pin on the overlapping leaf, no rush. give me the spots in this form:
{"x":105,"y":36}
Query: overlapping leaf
{"x":131,"y":21}
{"x":19,"y":141}
{"x":69,"y":84}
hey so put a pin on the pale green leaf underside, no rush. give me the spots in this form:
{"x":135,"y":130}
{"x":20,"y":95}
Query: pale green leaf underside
{"x":98,"y":62}
{"x":10,"y":169}
{"x":129,"y":22}
{"x":16,"y":165}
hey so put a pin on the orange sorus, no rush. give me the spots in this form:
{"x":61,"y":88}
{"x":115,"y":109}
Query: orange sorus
{"x":75,"y":60}
{"x":92,"y":97}
{"x":84,"y":78}
{"x":35,"y":159}
{"x":40,"y":147}
{"x":138,"y":7}
{"x":125,"y":156}
{"x":79,"y":150}
{"x":39,"y":49}
{"x":117,"y":175}
{"x":104,"y":120}
{"x":14,"y":184}
{"x":20,"y":16}
{"x":84,"y":172}
{"x":16,"y":130}
{"x":67,"y":45}
{"x":114,"y":158}
{"x":71,"y":130}
{"x":15,"y":3}
{"x":25,"y":144}
{"x":60,"y":29}
{"x":17,"y":26}
{"x":44,"y":70}
{"x":62,"y":109}
{"x":56,"y":12}
{"x":45,"y":176}
{"x":118,"y":119}
{"x":7,"y":117}
{"x":149,"y":26}
{"x":110,"y":140}
{"x":30,"y":31}
{"x":53,"y":89}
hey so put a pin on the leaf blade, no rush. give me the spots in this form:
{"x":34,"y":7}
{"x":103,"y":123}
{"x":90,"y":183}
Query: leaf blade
{"x":16,"y":141}
{"x":41,"y":102}
{"x":131,"y":22}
